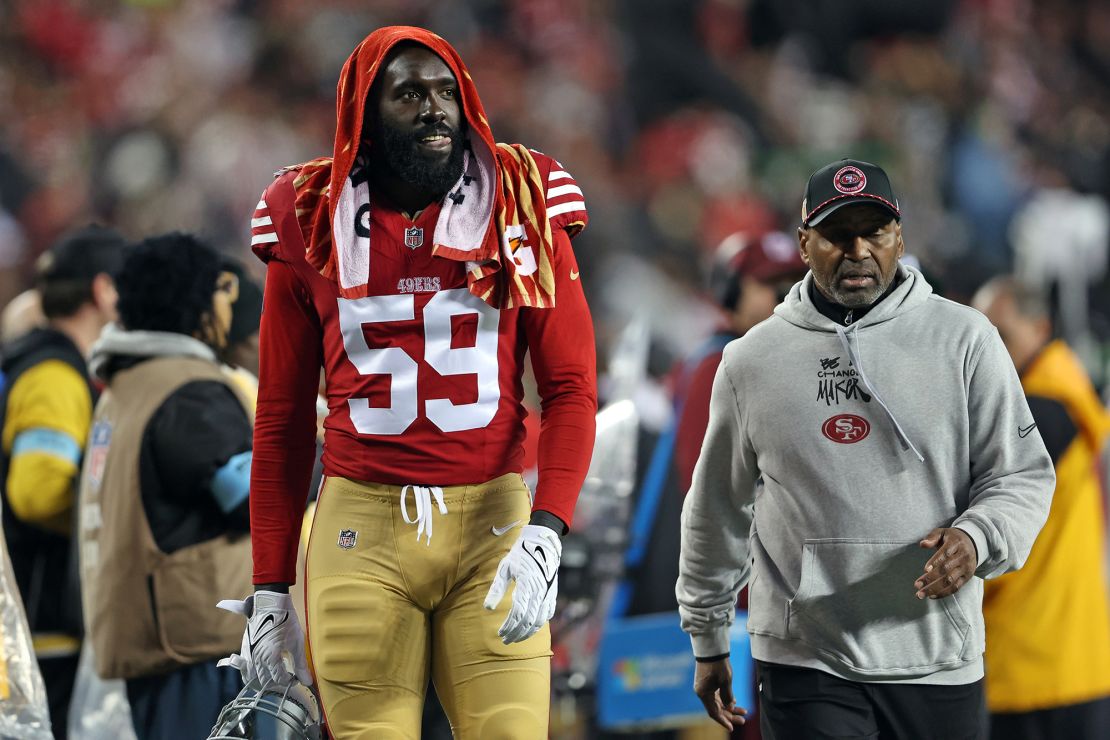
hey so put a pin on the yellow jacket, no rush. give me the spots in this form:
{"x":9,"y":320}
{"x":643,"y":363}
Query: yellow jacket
{"x":1048,"y":624}
{"x":45,"y":428}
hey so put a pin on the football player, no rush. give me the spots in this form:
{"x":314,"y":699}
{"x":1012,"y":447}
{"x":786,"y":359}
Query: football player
{"x":417,"y":265}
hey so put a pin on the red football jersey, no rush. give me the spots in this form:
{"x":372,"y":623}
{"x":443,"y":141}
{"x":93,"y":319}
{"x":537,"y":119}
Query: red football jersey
{"x":423,"y":378}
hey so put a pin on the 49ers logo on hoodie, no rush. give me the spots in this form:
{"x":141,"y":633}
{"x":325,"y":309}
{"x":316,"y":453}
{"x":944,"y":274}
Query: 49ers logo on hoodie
{"x":846,"y":429}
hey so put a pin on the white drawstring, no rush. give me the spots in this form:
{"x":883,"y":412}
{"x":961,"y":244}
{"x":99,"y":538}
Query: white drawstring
{"x":423,"y":496}
{"x":855,"y":354}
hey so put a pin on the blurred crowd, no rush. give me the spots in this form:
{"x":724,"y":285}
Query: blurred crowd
{"x":685,"y":122}
{"x":691,"y":125}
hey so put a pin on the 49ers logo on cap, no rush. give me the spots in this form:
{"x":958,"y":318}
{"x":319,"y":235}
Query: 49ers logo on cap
{"x":849,"y":180}
{"x":846,"y":429}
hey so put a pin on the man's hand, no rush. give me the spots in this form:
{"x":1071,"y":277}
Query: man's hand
{"x":713,"y":685}
{"x":273,"y":630}
{"x":951,"y":567}
{"x":534,"y":564}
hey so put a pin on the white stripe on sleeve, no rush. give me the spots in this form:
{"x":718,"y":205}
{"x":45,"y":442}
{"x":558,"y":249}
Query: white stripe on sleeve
{"x":563,"y":190}
{"x":264,"y":221}
{"x":270,"y":238}
{"x":574,"y":205}
{"x":559,"y":175}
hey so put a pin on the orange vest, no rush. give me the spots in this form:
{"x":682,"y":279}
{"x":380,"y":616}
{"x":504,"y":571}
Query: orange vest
{"x":1048,"y":624}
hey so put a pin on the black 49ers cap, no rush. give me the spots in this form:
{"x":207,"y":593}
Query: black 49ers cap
{"x":842,"y":183}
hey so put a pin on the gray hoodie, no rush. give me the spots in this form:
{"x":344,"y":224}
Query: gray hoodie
{"x":866,"y":438}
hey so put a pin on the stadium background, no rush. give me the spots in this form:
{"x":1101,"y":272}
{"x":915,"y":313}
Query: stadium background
{"x":683,"y":120}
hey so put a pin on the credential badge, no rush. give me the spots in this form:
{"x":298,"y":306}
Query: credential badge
{"x":97,"y":456}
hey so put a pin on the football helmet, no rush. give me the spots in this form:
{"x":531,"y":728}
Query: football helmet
{"x":290,"y":713}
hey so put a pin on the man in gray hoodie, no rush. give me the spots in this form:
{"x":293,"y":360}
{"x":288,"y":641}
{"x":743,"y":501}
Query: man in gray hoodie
{"x":870,"y":458}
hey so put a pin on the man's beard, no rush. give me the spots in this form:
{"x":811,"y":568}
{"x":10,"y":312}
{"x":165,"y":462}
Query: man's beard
{"x":856,"y":298}
{"x":401,"y":153}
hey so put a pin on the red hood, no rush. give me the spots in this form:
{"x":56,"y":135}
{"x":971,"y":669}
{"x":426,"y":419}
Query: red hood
{"x":357,"y":77}
{"x":507,"y":186}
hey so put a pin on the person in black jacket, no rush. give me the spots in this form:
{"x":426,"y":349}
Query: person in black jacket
{"x":164,"y":494}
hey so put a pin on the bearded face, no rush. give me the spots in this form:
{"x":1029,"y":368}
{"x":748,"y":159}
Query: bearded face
{"x":416,"y":120}
{"x":407,"y":152}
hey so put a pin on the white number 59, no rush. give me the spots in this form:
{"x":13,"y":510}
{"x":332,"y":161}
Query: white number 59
{"x":480,"y":360}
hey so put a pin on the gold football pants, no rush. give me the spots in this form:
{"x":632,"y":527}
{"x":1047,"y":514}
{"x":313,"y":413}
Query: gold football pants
{"x":386,"y":610}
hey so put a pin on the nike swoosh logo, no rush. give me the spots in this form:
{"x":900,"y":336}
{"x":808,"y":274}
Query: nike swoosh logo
{"x":498,"y":531}
{"x":538,"y":551}
{"x":266,"y":626}
{"x":1025,"y":432}
{"x":574,"y":274}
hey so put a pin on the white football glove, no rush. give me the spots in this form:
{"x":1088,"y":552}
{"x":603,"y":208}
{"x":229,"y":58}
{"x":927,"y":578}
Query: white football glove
{"x":273,"y":630}
{"x":534,"y":564}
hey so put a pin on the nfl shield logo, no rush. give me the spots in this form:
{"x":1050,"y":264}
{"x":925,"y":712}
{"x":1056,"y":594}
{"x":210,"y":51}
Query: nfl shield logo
{"x":414,"y":237}
{"x":347,"y":538}
{"x":97,"y":455}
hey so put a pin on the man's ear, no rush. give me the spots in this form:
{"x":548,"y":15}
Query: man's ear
{"x":803,"y":244}
{"x":1044,"y":329}
{"x":898,"y":233}
{"x":207,"y":331}
{"x":104,"y":292}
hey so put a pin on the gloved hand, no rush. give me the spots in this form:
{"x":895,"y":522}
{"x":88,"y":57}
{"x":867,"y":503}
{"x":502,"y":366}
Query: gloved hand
{"x":533,"y":563}
{"x":272,"y":630}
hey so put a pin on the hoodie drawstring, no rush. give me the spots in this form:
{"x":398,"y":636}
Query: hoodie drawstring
{"x":857,"y":360}
{"x":423,"y":496}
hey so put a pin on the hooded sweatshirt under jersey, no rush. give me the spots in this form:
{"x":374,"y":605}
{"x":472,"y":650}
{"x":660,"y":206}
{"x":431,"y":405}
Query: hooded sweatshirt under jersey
{"x":866,"y":437}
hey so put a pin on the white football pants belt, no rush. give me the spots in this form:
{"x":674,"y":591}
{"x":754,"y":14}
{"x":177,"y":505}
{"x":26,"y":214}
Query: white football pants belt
{"x":423,"y":497}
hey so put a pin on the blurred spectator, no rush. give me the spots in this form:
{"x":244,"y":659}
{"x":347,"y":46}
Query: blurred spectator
{"x":22,"y":314}
{"x":46,"y":413}
{"x":246,"y":315}
{"x":749,"y":278}
{"x":1061,"y":241}
{"x":1048,"y":624}
{"x":241,"y":354}
{"x":171,"y":442}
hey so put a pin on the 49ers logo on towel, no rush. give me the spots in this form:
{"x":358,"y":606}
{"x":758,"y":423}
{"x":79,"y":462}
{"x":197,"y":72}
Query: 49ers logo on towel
{"x":846,"y":429}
